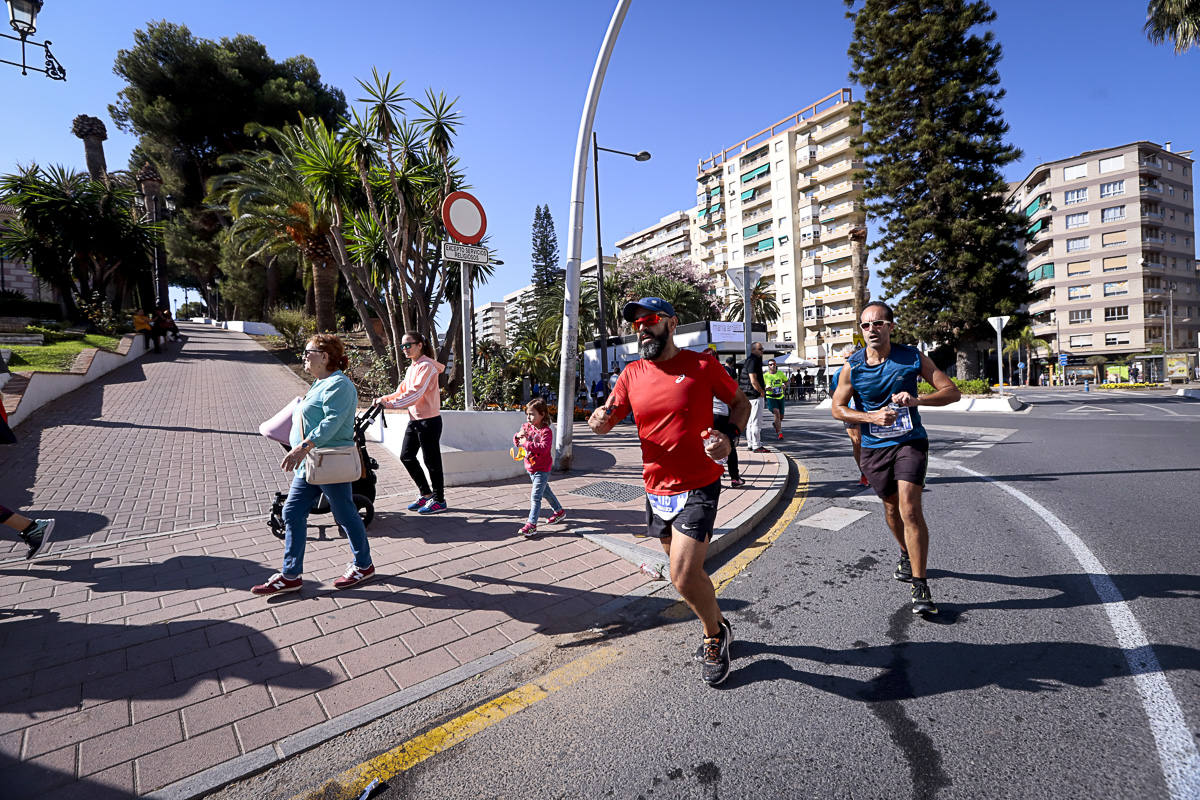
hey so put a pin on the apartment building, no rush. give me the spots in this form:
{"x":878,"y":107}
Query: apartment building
{"x":518,"y":302}
{"x":489,"y":323}
{"x":1113,"y":251}
{"x":670,"y":236}
{"x":785,"y":203}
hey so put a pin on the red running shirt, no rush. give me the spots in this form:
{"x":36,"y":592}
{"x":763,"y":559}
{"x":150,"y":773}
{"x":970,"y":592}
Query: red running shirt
{"x":672,"y":403}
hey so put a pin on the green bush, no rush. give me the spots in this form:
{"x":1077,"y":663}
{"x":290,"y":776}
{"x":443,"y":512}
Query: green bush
{"x":294,"y":326}
{"x":372,"y":375}
{"x":975,"y":386}
{"x":52,"y":333}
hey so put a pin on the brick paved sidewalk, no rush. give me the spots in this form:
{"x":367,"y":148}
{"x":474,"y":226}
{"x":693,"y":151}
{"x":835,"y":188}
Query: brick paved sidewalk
{"x":137,"y":660}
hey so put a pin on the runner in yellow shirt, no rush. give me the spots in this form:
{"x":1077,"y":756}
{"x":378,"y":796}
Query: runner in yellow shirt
{"x":775,"y":382}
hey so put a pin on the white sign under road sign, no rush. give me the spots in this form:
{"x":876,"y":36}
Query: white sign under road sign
{"x":464,"y":252}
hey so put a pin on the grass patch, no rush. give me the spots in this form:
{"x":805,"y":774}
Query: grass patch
{"x":57,"y":356}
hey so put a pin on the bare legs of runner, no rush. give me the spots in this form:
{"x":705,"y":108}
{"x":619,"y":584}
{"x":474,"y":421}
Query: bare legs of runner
{"x":691,"y":581}
{"x":906,"y":518}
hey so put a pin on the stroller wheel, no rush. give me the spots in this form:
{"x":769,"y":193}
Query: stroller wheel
{"x":366,"y":509}
{"x":275,"y":523}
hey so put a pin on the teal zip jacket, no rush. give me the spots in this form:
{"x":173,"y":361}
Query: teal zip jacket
{"x":326,"y":414}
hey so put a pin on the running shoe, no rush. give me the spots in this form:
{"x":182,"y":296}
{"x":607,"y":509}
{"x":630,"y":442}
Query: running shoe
{"x":737,"y":483}
{"x":922,"y":600}
{"x":353,"y":576}
{"x":903,"y":569}
{"x":862,"y":480}
{"x":760,"y":450}
{"x":432,"y":507}
{"x":715,"y":667}
{"x":781,"y":434}
{"x":38,"y":536}
{"x":726,"y":628}
{"x":416,"y":505}
{"x":557,"y":516}
{"x":277,"y":584}
{"x":528,"y":530}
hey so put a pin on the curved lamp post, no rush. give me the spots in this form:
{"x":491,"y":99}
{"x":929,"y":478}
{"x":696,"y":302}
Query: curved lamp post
{"x":570,"y":328}
{"x":640,"y":156}
{"x":22,"y":16}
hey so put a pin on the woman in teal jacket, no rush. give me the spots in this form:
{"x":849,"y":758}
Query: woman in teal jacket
{"x":324,"y":418}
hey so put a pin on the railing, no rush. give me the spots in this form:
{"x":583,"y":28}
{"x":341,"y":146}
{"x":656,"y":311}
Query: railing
{"x":1150,"y":188}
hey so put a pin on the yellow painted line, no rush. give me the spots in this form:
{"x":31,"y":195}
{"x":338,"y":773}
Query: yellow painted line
{"x":734,"y":566}
{"x":350,"y":784}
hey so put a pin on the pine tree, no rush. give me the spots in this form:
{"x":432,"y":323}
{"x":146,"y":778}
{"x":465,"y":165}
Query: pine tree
{"x":545,"y":248}
{"x":933,"y":146}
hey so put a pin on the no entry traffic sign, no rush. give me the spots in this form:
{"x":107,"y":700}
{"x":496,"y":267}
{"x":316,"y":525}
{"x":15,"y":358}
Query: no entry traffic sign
{"x":463,"y":217}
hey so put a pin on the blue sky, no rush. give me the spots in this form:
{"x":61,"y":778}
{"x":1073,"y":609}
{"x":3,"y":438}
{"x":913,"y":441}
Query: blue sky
{"x":686,"y":79}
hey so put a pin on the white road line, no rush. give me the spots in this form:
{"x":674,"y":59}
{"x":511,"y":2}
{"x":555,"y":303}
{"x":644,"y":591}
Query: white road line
{"x":833,"y":518}
{"x":1177,"y":752}
{"x":1160,"y":408}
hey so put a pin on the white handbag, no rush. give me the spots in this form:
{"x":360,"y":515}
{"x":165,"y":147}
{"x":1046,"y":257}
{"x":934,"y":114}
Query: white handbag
{"x":332,"y":464}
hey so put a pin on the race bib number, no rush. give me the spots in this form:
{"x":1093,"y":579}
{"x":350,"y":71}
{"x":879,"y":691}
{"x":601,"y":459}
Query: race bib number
{"x":900,"y":426}
{"x":667,"y":506}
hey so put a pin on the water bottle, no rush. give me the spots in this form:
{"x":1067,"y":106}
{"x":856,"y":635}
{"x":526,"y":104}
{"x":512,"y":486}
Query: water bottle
{"x":720,"y":461}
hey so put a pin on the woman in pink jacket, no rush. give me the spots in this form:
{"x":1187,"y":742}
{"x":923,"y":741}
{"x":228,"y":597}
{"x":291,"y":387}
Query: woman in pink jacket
{"x":419,"y":393}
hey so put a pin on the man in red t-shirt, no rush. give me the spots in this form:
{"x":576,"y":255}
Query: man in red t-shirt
{"x":670,"y":392}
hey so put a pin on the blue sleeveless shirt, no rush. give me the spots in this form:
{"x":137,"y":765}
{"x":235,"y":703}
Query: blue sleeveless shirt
{"x":875,"y":385}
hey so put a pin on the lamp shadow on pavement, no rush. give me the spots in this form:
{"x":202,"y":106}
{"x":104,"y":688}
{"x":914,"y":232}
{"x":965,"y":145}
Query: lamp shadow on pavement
{"x":907,"y":670}
{"x":45,"y":669}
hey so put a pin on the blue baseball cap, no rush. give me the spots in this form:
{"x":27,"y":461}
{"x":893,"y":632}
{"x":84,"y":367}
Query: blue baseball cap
{"x":656,"y":304}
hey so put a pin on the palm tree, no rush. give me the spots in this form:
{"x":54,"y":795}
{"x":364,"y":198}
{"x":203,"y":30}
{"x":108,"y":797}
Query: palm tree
{"x":763,"y":307}
{"x":1026,"y":341}
{"x":534,"y":357}
{"x":1177,"y":20}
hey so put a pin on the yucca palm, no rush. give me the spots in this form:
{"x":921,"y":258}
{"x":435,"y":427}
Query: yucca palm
{"x":763,"y":307}
{"x":1176,"y":20}
{"x":534,"y":357}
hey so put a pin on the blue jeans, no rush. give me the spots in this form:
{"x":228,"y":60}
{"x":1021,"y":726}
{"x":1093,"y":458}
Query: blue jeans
{"x":300,"y":499}
{"x":541,"y":488}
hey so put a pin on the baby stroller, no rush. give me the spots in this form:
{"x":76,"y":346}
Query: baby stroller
{"x":362,"y":489}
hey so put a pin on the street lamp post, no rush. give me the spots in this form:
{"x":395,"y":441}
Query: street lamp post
{"x":149,"y":198}
{"x":22,"y":16}
{"x":639,"y":156}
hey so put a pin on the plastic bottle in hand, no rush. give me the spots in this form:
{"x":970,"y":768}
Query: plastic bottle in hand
{"x":720,"y":461}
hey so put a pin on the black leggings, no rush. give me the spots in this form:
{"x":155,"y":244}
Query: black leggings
{"x":424,"y":435}
{"x":721,"y":423}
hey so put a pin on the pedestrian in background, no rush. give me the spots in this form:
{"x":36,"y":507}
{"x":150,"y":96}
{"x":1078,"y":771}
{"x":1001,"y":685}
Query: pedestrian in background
{"x":324,"y":418}
{"x":721,"y":422}
{"x":141,"y":324}
{"x":537,"y":437}
{"x":419,"y":393}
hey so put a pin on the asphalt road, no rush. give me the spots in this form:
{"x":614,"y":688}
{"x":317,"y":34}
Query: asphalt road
{"x":1023,"y":686}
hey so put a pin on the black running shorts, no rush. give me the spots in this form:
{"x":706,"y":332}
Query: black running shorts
{"x":884,"y":466}
{"x":696,"y":519}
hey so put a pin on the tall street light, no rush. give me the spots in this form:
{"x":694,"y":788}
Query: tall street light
{"x":22,"y":16}
{"x":640,"y":156}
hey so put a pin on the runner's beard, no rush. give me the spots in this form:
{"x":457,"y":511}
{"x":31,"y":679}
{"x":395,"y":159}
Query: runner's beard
{"x":652,"y":347}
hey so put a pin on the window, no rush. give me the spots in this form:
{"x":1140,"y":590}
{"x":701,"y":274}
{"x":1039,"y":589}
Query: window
{"x":1116,"y":338}
{"x":1112,"y":189}
{"x":783,"y":239}
{"x":1112,"y":214}
{"x":1044,"y":272}
{"x":1081,"y":316}
{"x":1116,"y":313}
{"x":1116,"y":263}
{"x":1075,"y":173}
{"x":1113,"y":164}
{"x":1081,"y":340}
{"x":1114,"y":239}
{"x":1079,"y":292}
{"x":1114,"y":288}
{"x":1170,"y":165}
{"x":1077,"y":220}
{"x":1073,"y":196}
{"x":1077,"y":244}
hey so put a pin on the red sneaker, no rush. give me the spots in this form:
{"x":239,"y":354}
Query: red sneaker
{"x":556,"y":516}
{"x":354,"y":576}
{"x":862,"y":479}
{"x":277,"y":584}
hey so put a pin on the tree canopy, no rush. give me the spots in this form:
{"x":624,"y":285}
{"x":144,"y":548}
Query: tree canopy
{"x":934,"y":147}
{"x":544,"y":257}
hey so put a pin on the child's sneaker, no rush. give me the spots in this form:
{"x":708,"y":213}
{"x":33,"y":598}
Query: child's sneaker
{"x":557,"y":516}
{"x":432,"y":507}
{"x":528,"y":530}
{"x":38,"y":536}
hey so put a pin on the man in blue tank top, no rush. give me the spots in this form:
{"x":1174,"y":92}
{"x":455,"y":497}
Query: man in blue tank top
{"x":895,"y":448}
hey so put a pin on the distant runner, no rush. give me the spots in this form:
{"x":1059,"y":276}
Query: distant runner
{"x":670,"y":392}
{"x":775,"y":382}
{"x":895,"y":447}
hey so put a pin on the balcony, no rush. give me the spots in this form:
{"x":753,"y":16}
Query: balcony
{"x":839,"y":315}
{"x":1039,"y":181}
{"x":1150,"y":164}
{"x":834,"y":253}
{"x":1153,"y":239}
{"x":837,"y":190}
{"x":844,"y":167}
{"x":829,"y":130}
{"x":810,"y":276}
{"x":1152,"y":188}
